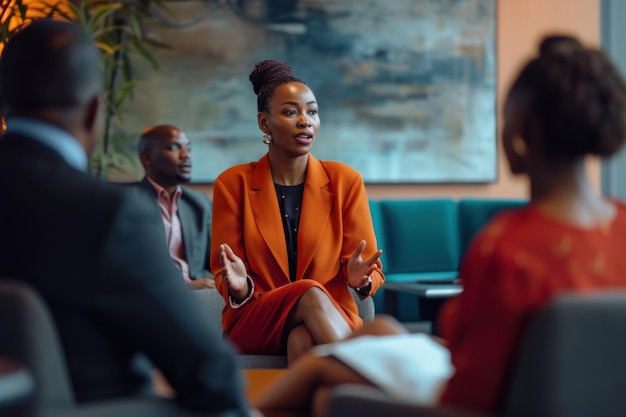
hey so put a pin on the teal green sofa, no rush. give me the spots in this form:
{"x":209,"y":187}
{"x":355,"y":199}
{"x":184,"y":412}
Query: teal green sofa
{"x":425,"y":239}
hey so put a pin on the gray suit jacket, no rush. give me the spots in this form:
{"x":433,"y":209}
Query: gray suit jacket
{"x":194,"y":212}
{"x":97,"y":254}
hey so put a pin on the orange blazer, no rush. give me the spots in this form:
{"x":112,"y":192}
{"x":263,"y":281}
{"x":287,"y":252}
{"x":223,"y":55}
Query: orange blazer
{"x":335,"y":217}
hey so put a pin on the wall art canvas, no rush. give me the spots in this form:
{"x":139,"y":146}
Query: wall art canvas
{"x":406,"y":88}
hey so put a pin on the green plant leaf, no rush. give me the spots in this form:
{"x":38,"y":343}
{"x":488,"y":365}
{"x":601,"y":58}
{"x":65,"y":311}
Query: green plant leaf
{"x":104,"y":20}
{"x":107,"y":49}
{"x":133,"y":22}
{"x":101,"y":12}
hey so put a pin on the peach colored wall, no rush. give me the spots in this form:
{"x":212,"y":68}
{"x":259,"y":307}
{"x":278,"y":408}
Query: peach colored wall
{"x":521,"y":24}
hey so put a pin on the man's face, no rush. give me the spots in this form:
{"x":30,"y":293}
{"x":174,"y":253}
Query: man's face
{"x":169,"y":160}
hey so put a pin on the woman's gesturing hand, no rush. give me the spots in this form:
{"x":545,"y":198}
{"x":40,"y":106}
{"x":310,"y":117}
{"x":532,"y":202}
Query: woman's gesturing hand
{"x":359,"y":270}
{"x":234,"y":272}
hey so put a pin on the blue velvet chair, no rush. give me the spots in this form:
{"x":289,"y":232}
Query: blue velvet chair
{"x":379,"y":228}
{"x":377,"y":220}
{"x":420,"y":240}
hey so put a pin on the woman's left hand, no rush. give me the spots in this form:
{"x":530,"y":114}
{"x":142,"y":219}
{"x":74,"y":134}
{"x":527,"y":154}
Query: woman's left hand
{"x":359,"y":270}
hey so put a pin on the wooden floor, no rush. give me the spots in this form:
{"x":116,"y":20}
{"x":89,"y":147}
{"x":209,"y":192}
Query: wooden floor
{"x":257,"y":380}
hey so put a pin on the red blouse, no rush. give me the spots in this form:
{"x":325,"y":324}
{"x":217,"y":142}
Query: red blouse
{"x":516,"y":264}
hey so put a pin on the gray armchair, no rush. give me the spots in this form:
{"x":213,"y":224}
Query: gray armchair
{"x":29,"y":337}
{"x":214,"y":303}
{"x":571,"y":363}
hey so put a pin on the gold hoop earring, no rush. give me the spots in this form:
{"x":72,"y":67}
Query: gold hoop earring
{"x":519,"y":146}
{"x":267,"y":138}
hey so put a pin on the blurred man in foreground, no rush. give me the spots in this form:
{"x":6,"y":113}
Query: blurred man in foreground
{"x":94,"y":251}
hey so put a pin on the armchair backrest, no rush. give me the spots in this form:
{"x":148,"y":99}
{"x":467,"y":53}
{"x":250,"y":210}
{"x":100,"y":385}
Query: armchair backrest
{"x":28,"y":335}
{"x":572,"y":360}
{"x":420,"y":235}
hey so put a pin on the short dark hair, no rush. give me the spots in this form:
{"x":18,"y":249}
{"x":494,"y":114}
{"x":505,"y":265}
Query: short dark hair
{"x":266,"y":76}
{"x":577,"y":96}
{"x":153,"y":134}
{"x":49,"y":64}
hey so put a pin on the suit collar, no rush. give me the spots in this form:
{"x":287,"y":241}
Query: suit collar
{"x":267,"y":213}
{"x":51,"y":136}
{"x":262,"y":175}
{"x":317,"y":205}
{"x":159,"y":190}
{"x":185,"y":213}
{"x":23,"y":143}
{"x":147,"y":186}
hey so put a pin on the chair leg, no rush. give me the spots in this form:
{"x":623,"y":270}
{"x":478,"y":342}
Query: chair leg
{"x":391,"y":303}
{"x":429,"y":310}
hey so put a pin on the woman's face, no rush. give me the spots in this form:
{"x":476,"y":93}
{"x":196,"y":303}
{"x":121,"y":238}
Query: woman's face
{"x":292,"y":120}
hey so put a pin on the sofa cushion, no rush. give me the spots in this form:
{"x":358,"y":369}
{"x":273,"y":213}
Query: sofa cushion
{"x":420,"y":237}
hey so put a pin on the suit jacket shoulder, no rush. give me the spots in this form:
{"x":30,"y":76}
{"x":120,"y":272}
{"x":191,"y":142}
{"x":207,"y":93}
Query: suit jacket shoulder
{"x":334,"y":175}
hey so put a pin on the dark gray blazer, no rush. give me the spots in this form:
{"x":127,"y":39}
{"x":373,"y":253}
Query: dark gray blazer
{"x":97,"y":254}
{"x":194,"y":212}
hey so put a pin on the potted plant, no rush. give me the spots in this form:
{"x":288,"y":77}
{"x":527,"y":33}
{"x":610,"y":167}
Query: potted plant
{"x":118,"y":28}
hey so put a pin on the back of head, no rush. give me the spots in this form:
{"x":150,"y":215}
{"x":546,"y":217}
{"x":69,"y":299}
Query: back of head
{"x":48,"y":64}
{"x":576,"y":96}
{"x":266,"y":76}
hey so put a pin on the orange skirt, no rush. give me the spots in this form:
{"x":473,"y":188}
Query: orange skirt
{"x":260,"y":324}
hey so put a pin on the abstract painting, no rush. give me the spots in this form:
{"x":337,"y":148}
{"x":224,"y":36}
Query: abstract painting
{"x":406,"y":88}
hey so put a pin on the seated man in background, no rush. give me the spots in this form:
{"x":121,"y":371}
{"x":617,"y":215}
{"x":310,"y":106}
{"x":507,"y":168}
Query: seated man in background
{"x":94,"y":251}
{"x":165,"y":153}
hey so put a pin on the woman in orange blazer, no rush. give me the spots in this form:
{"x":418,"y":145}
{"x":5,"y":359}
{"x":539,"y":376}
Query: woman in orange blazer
{"x":290,"y":233}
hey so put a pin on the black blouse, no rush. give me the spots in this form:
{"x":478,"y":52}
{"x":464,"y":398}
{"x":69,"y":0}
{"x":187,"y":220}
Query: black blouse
{"x":290,"y":203}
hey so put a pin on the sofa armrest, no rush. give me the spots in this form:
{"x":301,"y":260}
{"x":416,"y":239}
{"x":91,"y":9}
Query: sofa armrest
{"x":365,"y":401}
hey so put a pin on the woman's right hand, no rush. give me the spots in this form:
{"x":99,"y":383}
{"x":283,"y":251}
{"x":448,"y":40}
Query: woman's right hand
{"x":234,"y":272}
{"x":359,"y":269}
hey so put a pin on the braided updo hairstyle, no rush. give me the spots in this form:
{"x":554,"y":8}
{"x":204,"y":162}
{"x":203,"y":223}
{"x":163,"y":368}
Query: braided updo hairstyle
{"x":266,"y":76}
{"x":576,"y":95}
